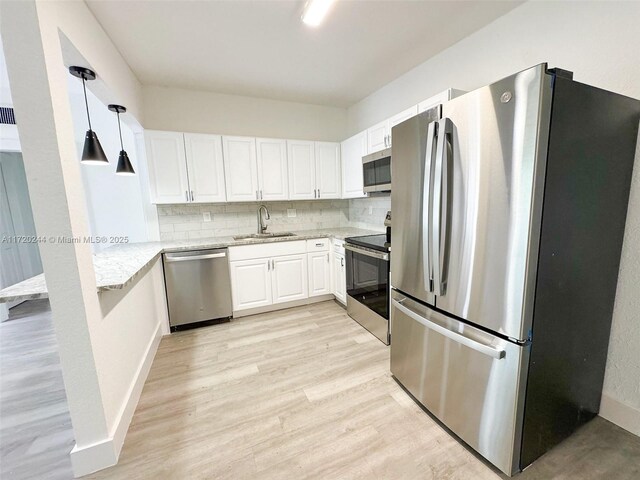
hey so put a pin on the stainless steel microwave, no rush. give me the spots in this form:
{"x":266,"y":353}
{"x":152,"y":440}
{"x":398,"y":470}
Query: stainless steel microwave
{"x":376,"y":171}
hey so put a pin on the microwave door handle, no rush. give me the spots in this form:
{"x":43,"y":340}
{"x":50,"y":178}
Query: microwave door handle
{"x":427,"y":266}
{"x":441,"y":205}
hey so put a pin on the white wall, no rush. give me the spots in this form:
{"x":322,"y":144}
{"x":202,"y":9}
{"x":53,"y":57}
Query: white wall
{"x":207,"y":112}
{"x":114,"y":202}
{"x":99,"y":347}
{"x":599,"y":42}
{"x":133,"y":321}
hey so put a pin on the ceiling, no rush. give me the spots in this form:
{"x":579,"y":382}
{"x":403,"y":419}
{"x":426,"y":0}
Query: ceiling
{"x":262,"y":49}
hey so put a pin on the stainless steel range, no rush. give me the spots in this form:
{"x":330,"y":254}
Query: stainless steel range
{"x":368,"y":283}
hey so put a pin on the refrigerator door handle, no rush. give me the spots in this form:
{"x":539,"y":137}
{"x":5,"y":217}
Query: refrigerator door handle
{"x":427,"y":266}
{"x":458,"y":337}
{"x":441,"y":204}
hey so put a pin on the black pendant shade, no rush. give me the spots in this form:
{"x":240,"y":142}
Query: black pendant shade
{"x":124,"y":164}
{"x":92,"y":153}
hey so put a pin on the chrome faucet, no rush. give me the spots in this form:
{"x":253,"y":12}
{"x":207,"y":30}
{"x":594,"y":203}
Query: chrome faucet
{"x":262,"y":228}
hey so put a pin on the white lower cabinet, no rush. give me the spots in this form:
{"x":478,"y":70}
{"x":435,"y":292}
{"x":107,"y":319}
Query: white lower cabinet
{"x":251,"y":283}
{"x":339,"y":278}
{"x":289,"y":278}
{"x":319,"y":273}
{"x":339,"y":271}
{"x":280,"y":272}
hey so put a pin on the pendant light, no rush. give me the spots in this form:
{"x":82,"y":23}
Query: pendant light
{"x":124,"y":164}
{"x":92,"y":153}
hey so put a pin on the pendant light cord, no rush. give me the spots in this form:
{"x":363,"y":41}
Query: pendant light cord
{"x":120,"y":131}
{"x":86,"y":103}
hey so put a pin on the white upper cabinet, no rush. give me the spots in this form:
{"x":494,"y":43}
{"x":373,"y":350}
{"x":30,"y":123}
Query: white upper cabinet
{"x":328,"y":170}
{"x":272,"y":169}
{"x":302,"y":170}
{"x":314,"y":170}
{"x":402,"y":116}
{"x":399,"y":118}
{"x":352,"y":151}
{"x":241,"y":170}
{"x":377,"y":137}
{"x":439,"y":98}
{"x":167,"y":167}
{"x":205,"y":167}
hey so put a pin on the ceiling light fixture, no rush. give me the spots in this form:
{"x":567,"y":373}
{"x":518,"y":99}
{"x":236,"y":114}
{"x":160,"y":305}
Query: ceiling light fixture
{"x":315,"y":11}
{"x":92,"y":153}
{"x":124,"y":164}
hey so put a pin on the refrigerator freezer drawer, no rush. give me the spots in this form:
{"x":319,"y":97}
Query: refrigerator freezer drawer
{"x":469,"y":379}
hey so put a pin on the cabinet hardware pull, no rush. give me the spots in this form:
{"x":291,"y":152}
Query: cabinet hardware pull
{"x":257,"y":197}
{"x":192,"y":195}
{"x":186,"y":194}
{"x":342,"y":262}
{"x":318,"y":193}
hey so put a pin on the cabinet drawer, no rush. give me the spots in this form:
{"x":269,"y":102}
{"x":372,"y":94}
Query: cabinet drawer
{"x":263,"y":250}
{"x":318,"y":245}
{"x":337,"y":246}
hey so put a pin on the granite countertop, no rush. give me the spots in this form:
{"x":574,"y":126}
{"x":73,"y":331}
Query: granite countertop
{"x":118,"y":265}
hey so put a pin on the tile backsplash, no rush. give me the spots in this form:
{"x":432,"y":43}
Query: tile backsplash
{"x":369,"y":212}
{"x":179,"y":222}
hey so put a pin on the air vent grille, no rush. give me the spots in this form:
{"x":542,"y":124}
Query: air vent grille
{"x":7,"y":116}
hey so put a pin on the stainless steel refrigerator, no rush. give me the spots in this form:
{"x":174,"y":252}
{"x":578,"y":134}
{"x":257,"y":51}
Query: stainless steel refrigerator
{"x":509,"y":213}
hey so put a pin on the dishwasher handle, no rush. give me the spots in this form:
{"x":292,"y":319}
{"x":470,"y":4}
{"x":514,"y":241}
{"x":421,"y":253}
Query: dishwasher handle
{"x":176,"y":258}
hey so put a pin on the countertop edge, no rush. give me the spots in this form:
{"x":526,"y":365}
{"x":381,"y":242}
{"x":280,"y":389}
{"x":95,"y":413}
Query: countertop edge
{"x":40,"y":291}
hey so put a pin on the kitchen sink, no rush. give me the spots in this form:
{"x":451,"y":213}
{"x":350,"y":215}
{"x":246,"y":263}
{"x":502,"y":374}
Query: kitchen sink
{"x":264,"y":235}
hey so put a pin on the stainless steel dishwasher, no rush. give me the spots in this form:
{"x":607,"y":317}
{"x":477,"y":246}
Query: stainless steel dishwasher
{"x":198,"y":286}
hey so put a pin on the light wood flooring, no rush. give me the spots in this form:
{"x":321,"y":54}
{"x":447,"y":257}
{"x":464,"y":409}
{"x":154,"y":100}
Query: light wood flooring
{"x":35,"y":428}
{"x":307,"y":393}
{"x":295,"y":394}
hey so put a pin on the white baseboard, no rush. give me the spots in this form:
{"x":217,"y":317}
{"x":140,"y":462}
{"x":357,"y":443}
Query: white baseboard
{"x":91,"y":458}
{"x":282,"y":306}
{"x":133,"y":395}
{"x":621,"y":414}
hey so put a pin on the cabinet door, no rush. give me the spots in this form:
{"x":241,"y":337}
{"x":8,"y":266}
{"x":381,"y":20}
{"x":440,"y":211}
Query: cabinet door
{"x":435,"y":100}
{"x":302,"y":170}
{"x":352,"y":151}
{"x":241,"y":169}
{"x":328,"y":170}
{"x":167,"y":167}
{"x":251,"y":283}
{"x":399,"y":118}
{"x":339,"y":278}
{"x":377,"y":137}
{"x":205,"y":167}
{"x":289,"y":278}
{"x":319,"y":273}
{"x":272,"y":169}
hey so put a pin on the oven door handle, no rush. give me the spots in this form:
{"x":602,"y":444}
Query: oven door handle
{"x":368,"y":253}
